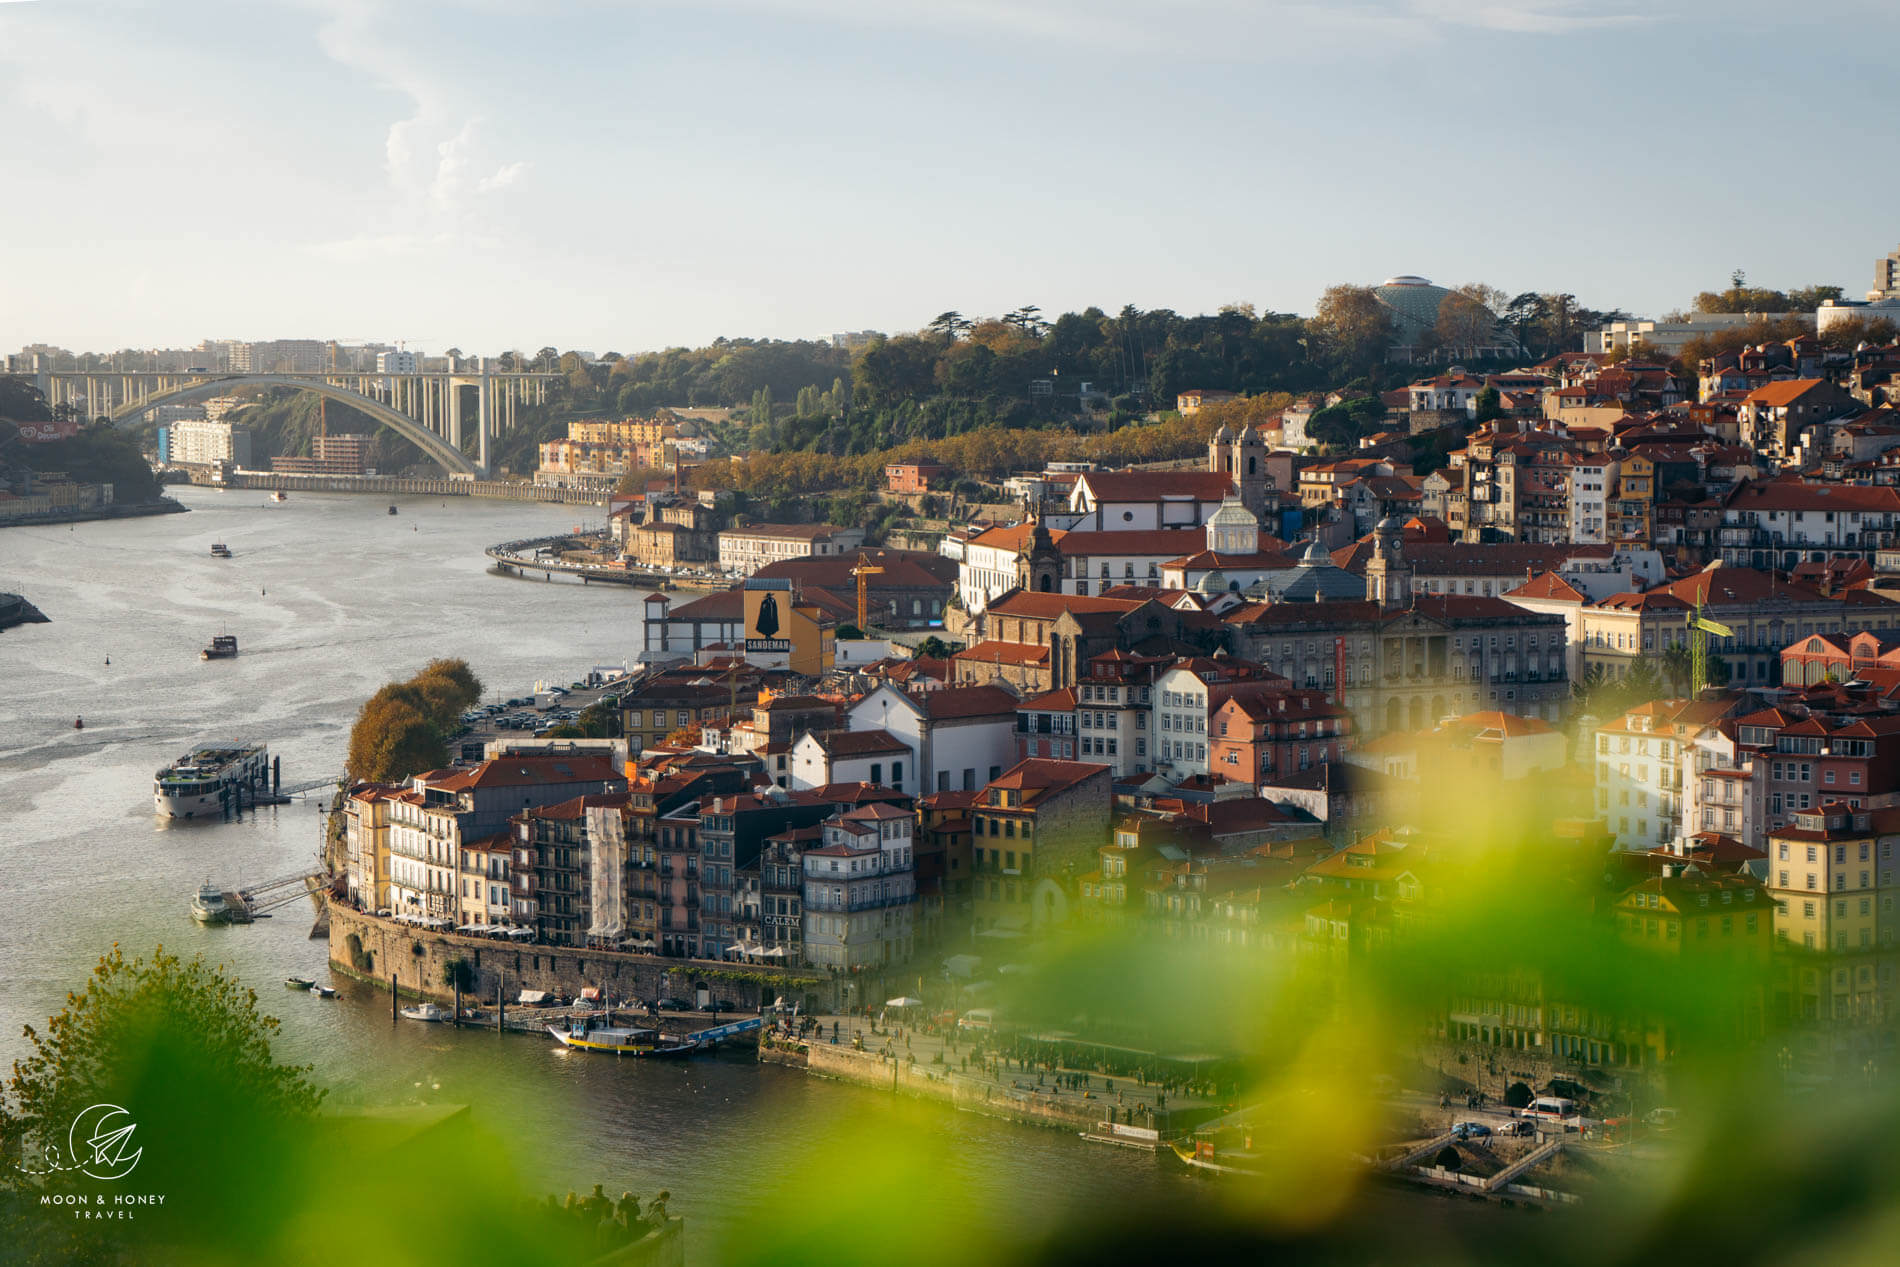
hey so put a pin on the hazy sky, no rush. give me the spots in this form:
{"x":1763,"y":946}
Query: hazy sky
{"x":628,"y":174}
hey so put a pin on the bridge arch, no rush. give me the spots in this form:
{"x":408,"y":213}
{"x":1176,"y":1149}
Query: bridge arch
{"x":444,"y":454}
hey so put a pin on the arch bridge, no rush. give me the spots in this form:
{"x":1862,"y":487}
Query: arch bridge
{"x":427,"y":409}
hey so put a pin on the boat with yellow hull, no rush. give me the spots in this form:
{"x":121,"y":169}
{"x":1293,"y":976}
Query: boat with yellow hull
{"x":585,"y":1034}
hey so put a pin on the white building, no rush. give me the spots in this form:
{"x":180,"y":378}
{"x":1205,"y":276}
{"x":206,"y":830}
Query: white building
{"x":1139,"y":501}
{"x":860,"y":890}
{"x":200,"y":443}
{"x":1644,"y":760}
{"x":743,"y":551}
{"x":396,"y":363}
{"x":1592,"y":475}
{"x":853,"y":756}
{"x":961,"y":736}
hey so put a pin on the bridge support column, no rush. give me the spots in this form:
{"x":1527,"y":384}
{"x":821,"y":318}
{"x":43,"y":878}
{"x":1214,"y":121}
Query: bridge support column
{"x":485,"y":421}
{"x":455,"y":414}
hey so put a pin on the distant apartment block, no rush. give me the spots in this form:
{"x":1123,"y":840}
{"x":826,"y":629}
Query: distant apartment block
{"x":396,"y":363}
{"x":194,"y":442}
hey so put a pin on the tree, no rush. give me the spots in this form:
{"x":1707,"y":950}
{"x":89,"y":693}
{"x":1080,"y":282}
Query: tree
{"x":1489,"y":405}
{"x":163,"y":1038}
{"x":1678,"y":668}
{"x":1464,"y":323}
{"x":1809,"y":298}
{"x":546,"y":357}
{"x":404,"y":728}
{"x":1353,"y":324}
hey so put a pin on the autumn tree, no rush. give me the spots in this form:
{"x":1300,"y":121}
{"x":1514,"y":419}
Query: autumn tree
{"x":404,"y":728}
{"x":1464,"y":323}
{"x":1353,"y":324}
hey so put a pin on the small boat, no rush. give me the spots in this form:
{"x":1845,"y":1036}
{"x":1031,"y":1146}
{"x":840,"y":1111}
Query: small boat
{"x":425,"y":1011}
{"x":219,"y":550}
{"x":280,"y":496}
{"x":223,"y":647}
{"x":392,"y":510}
{"x":208,"y":905}
{"x":584,"y":1033}
{"x":323,"y":991}
{"x":79,"y":723}
{"x":299,"y":983}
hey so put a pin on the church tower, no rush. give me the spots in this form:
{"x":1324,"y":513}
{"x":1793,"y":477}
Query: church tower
{"x":1220,"y":451}
{"x":1388,"y":578}
{"x":1250,"y":470}
{"x":1038,"y":562}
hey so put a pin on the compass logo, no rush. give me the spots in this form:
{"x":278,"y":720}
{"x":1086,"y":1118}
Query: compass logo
{"x":100,"y":1142}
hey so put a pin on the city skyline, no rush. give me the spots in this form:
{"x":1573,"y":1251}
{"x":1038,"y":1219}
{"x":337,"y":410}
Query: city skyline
{"x":792,"y":168}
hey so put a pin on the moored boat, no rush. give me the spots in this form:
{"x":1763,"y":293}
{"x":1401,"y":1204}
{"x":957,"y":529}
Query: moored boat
{"x":208,"y":905}
{"x":223,"y":647}
{"x":280,"y":496}
{"x":323,"y":991}
{"x":425,"y":1011}
{"x":299,"y":983}
{"x":584,"y":1033}
{"x":392,"y":510}
{"x":206,"y":779}
{"x":219,"y":550}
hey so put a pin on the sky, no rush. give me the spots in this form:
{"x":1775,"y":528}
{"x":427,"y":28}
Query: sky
{"x":633,"y":174}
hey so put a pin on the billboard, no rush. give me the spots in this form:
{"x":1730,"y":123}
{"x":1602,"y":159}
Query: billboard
{"x":47,"y":432}
{"x":768,"y":615}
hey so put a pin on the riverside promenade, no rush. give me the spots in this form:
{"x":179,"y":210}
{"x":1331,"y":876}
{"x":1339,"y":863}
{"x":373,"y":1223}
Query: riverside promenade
{"x":972,"y":1071}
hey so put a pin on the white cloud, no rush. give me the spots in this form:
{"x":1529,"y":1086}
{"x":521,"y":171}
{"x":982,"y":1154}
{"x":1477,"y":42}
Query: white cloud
{"x":428,"y":153}
{"x":503,"y":176}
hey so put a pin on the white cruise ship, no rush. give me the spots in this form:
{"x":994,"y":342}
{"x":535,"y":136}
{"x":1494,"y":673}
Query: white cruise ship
{"x":200,"y":783}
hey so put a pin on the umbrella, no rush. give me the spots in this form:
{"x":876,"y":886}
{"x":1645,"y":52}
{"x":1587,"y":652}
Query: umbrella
{"x":904,"y":1001}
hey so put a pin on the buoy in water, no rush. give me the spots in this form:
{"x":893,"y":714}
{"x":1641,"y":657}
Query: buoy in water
{"x":108,"y":659}
{"x":79,"y":723}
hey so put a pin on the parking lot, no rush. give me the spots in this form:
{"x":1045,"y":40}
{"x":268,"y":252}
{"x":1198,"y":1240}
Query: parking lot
{"x":527,"y":716}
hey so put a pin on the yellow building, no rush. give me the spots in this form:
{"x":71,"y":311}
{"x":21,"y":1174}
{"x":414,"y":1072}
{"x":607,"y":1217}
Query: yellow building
{"x":1631,"y":510}
{"x":1830,"y":873}
{"x":366,"y":844}
{"x":1691,"y":911}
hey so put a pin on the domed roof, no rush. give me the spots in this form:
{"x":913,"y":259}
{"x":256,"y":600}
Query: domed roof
{"x":1225,"y":433}
{"x":1413,"y":302}
{"x":1391,"y":524}
{"x":1315,"y":555}
{"x":1211,"y":583}
{"x":1231,"y":514}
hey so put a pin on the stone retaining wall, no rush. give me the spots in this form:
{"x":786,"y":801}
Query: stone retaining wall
{"x":372,"y":949}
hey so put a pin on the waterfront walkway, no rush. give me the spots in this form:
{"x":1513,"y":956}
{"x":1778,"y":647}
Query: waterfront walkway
{"x":979,"y":1062}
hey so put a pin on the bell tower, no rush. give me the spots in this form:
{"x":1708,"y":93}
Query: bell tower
{"x":1038,"y":562}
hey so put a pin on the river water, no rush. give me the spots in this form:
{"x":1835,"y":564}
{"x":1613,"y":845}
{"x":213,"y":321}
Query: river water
{"x":330,"y":596}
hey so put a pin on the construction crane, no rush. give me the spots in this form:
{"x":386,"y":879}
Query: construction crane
{"x":864,"y":572}
{"x":1700,"y":627}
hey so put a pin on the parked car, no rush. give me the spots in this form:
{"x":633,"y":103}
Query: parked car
{"x":674,"y":1005}
{"x":1470,"y":1130}
{"x":1661,"y":1119}
{"x":721,"y":1005}
{"x":1518,"y":1126}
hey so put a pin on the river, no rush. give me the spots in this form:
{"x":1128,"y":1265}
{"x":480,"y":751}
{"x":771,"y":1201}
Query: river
{"x":330,"y":596}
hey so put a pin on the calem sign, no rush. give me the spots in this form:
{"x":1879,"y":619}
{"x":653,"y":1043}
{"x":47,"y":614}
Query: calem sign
{"x":47,"y":432}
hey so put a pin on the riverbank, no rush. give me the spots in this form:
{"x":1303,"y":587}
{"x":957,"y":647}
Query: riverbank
{"x":425,"y":961}
{"x":433,"y":486}
{"x":547,"y":556}
{"x":118,"y":510}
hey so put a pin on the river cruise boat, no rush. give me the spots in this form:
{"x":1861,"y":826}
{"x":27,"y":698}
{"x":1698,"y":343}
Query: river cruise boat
{"x":219,"y":550}
{"x":587,"y":1033}
{"x":223,"y":647}
{"x":205,"y":780}
{"x":208,"y":905}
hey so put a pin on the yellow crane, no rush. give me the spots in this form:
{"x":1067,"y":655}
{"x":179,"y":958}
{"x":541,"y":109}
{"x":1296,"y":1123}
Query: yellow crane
{"x":1700,"y":627}
{"x":864,"y":571}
